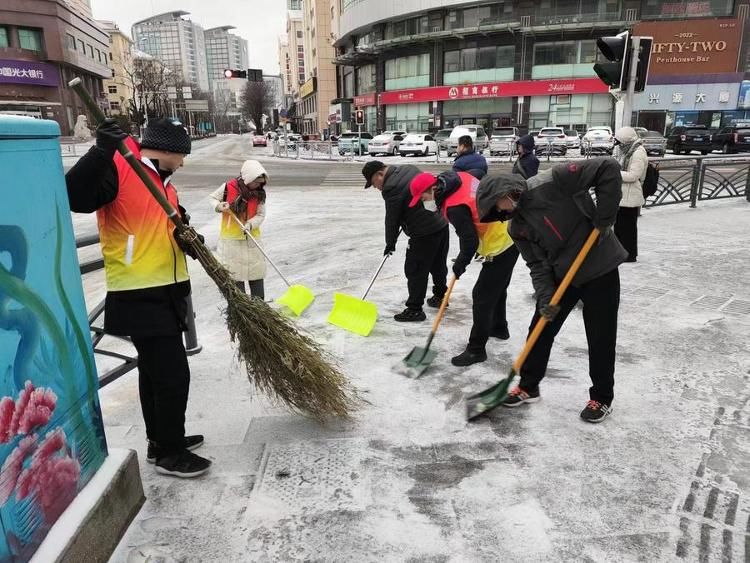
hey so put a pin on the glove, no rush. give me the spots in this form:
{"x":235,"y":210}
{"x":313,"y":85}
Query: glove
{"x":182,"y":240}
{"x":549,"y":311}
{"x":389,"y":249}
{"x":109,"y":135}
{"x":223,"y":206}
{"x":458,"y":269}
{"x":604,"y":233}
{"x":184,"y":214}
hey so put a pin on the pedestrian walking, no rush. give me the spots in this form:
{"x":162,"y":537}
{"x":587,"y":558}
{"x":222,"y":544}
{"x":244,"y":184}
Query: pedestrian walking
{"x":245,"y":198}
{"x":527,"y":164}
{"x":147,"y":276}
{"x":634,"y":163}
{"x":455,"y":196}
{"x":427,"y":252}
{"x":468,"y":160}
{"x":551,"y":215}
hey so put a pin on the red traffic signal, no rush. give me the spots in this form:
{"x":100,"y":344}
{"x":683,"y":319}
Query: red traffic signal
{"x":359,"y":117}
{"x":231,"y":73}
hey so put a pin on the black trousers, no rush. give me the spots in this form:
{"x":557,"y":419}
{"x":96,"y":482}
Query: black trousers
{"x":426,"y":256}
{"x":601,"y":302}
{"x":257,"y":289}
{"x":163,"y":384}
{"x":626,"y":230}
{"x":489,"y":296}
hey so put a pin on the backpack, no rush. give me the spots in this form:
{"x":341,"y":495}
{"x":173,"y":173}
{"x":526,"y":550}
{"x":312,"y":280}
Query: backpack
{"x":651,"y":181}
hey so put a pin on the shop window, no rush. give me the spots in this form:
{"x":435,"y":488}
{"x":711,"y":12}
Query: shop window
{"x":30,"y":39}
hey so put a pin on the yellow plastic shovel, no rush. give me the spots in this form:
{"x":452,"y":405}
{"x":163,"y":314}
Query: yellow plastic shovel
{"x":297,"y":297}
{"x":356,"y":315}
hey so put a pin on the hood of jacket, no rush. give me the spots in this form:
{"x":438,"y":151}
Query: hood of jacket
{"x":252,"y":169}
{"x":527,"y":142}
{"x":491,"y":188}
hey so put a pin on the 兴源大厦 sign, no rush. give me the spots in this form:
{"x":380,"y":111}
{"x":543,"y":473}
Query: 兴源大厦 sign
{"x":308,"y":87}
{"x":705,"y":46}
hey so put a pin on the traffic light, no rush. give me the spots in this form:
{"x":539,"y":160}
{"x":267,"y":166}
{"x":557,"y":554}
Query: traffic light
{"x":359,"y":117}
{"x":255,"y":75}
{"x":231,"y":73}
{"x":616,"y":50}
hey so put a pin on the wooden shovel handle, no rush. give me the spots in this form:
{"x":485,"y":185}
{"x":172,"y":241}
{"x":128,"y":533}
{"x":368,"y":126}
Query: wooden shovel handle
{"x":443,"y":305}
{"x":542,"y":322}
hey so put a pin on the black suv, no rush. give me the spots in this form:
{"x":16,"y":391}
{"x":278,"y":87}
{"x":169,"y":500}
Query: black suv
{"x":733,"y":139}
{"x":688,"y":139}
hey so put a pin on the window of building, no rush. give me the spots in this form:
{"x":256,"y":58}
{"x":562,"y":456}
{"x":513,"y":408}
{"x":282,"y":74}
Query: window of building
{"x":90,"y":50}
{"x":299,"y":35}
{"x":407,"y":72}
{"x":81,"y":46}
{"x":4,"y":37}
{"x":70,"y":42}
{"x":98,"y":55}
{"x":300,"y":49}
{"x":112,"y":89}
{"x":480,"y":58}
{"x":366,"y":79}
{"x":559,"y":53}
{"x":30,"y":39}
{"x":114,"y":106}
{"x":564,"y":59}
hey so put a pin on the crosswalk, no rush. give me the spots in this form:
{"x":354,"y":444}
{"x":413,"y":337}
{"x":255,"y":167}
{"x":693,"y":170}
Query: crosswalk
{"x":349,"y":177}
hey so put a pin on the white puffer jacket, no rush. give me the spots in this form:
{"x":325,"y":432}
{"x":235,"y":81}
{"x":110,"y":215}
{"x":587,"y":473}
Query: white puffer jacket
{"x":634,"y":162}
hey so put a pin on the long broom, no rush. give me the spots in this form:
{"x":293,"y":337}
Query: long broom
{"x":289,"y":367}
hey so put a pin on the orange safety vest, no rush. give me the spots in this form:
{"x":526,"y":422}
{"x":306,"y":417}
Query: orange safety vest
{"x":493,"y":237}
{"x":136,"y":234}
{"x":229,"y":227}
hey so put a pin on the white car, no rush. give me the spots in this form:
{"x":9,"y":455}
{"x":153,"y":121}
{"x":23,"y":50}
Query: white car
{"x":599,"y":139}
{"x":552,"y":140}
{"x":572,"y":139}
{"x":477,"y":134}
{"x":386,"y":143}
{"x":421,"y":143}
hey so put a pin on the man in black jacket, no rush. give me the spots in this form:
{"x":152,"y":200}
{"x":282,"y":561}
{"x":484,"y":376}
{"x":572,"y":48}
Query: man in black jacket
{"x":468,"y":160}
{"x":147,"y":277}
{"x":427,"y":230}
{"x":551,"y":215}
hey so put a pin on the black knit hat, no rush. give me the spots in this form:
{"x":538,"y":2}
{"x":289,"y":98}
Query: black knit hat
{"x":165,"y":134}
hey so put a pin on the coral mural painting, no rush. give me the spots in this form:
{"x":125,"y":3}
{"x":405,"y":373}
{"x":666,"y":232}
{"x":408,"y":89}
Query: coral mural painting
{"x":51,"y":432}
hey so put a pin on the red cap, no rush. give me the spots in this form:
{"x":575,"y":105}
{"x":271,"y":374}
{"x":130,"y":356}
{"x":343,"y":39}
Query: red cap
{"x":419,"y":185}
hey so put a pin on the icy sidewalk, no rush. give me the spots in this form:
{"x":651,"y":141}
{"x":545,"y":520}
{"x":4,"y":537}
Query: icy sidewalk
{"x":666,"y":477}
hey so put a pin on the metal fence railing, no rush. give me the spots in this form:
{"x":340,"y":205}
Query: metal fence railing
{"x":128,"y":362}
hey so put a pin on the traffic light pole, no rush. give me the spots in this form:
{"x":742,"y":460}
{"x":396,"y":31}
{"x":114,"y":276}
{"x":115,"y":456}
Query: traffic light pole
{"x":627,"y":111}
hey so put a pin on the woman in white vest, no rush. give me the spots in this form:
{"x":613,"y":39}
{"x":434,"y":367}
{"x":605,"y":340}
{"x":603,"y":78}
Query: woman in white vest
{"x":633,"y":163}
{"x":245,"y":198}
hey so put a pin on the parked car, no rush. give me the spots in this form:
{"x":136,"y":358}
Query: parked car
{"x":386,"y":143}
{"x":259,"y":140}
{"x":599,"y":139}
{"x":551,"y":140}
{"x":355,"y":143}
{"x":477,"y":134}
{"x":503,"y":140}
{"x":687,"y":139}
{"x":418,"y":143}
{"x":641,"y":131}
{"x":733,"y":139}
{"x":441,"y":138}
{"x":572,"y":139}
{"x":654,"y":142}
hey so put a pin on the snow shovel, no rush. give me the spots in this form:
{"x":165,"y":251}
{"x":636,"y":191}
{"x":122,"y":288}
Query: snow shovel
{"x":356,"y":315}
{"x":491,"y":397}
{"x":297,"y":298}
{"x":419,"y":359}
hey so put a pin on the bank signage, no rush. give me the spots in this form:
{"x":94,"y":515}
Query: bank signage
{"x":693,"y":46}
{"x":365,"y":100}
{"x":494,"y":90}
{"x":28,"y":72}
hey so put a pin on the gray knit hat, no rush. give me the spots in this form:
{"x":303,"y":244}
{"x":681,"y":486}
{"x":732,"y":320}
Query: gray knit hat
{"x":165,"y":134}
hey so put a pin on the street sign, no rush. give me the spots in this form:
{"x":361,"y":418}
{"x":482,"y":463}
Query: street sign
{"x":171,"y":92}
{"x":187,"y":92}
{"x":196,"y":105}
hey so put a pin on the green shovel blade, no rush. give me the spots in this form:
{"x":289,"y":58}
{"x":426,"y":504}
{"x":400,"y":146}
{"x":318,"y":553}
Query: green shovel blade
{"x":488,"y":399}
{"x":297,"y":298}
{"x":417,"y":361}
{"x":353,"y":314}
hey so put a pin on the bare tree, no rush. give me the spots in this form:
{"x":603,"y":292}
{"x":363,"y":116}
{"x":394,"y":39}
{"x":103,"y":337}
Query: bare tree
{"x":149,"y":79}
{"x":257,"y":97}
{"x":222,"y":105}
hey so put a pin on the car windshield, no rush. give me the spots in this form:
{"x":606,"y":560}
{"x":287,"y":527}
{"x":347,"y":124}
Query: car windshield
{"x":383,"y":137}
{"x":696,"y":132}
{"x":461,"y":131}
{"x":443,"y":133}
{"x":504,"y":132}
{"x":550,"y":132}
{"x":348,"y":136}
{"x":413,"y":138}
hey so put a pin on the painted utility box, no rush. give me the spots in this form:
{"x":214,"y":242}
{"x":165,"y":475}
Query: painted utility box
{"x":51,"y":433}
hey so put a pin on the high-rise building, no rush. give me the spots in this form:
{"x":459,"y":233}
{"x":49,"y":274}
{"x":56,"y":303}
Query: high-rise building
{"x":224,"y":50}
{"x":293,"y":4}
{"x":43,"y":45}
{"x":119,"y":88}
{"x":82,"y":7}
{"x":319,"y":88}
{"x":292,"y":55}
{"x":176,"y":41}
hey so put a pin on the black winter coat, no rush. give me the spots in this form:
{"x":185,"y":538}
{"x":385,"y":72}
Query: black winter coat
{"x":527,"y":166}
{"x":470,"y":161}
{"x":155,"y":311}
{"x":416,"y":221}
{"x":556,"y":215}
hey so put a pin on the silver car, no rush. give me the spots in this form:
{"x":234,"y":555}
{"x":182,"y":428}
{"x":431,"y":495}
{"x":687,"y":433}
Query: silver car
{"x":551,"y":140}
{"x":386,"y":143}
{"x":503,"y":140}
{"x":477,"y":134}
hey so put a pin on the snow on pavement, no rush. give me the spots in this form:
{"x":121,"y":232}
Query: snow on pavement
{"x":666,"y":476}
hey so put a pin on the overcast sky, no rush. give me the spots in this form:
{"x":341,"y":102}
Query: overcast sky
{"x":258,"y":21}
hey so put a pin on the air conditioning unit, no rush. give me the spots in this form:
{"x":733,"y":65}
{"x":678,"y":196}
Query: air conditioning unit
{"x":631,"y":15}
{"x":436,"y":28}
{"x":743,"y":10}
{"x":525,"y":21}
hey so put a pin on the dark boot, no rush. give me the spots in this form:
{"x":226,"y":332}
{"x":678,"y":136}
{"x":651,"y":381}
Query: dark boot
{"x":435,"y":302}
{"x":410,"y":316}
{"x":468,"y":357}
{"x":501,"y":333}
